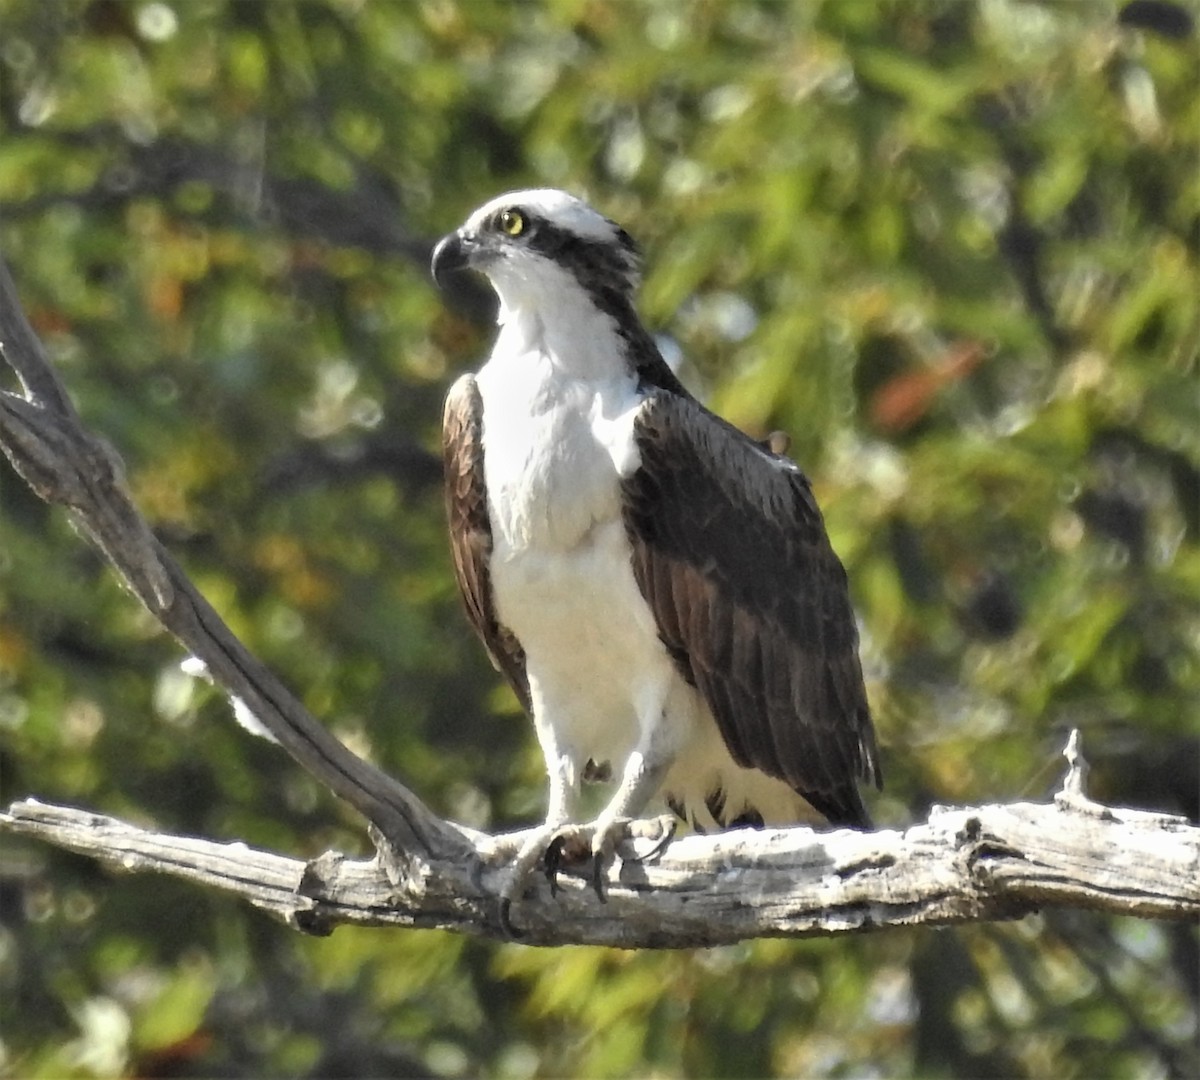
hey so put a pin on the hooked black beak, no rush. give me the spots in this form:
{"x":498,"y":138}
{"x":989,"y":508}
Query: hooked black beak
{"x":451,"y":255}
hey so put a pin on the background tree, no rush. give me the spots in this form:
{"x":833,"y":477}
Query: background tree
{"x":950,"y":247}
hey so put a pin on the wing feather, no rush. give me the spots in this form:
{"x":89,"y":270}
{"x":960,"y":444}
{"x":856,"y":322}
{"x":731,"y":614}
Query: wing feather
{"x":471,"y":530}
{"x":730,"y":552}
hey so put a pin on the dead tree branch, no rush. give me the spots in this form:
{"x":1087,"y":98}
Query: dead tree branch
{"x":963,"y":865}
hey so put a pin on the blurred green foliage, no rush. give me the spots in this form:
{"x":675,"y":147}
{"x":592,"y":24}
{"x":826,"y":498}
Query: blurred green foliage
{"x":951,"y":247}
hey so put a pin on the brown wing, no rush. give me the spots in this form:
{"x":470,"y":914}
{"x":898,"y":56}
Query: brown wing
{"x":471,"y":529}
{"x":730,"y":551}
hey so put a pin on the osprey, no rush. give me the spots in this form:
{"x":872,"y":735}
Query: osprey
{"x":657,"y":587}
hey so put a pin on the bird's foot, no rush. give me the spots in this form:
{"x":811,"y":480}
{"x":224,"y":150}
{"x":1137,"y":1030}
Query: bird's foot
{"x":599,"y":840}
{"x":556,"y":846}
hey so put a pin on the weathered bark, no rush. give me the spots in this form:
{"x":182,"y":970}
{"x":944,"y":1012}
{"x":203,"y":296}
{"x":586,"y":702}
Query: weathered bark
{"x":963,"y":865}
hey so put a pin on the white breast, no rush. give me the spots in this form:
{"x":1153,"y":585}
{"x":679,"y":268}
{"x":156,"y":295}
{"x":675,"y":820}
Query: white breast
{"x":555,"y":445}
{"x":557,"y":440}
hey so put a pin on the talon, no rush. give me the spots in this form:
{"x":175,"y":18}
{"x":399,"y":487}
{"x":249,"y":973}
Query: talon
{"x":552,"y":860}
{"x":667,"y":829}
{"x":506,"y":924}
{"x":553,"y":847}
{"x":605,"y":841}
{"x":598,"y":876}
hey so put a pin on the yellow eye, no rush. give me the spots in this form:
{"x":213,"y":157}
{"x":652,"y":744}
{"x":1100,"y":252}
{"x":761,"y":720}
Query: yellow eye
{"x":511,"y":222}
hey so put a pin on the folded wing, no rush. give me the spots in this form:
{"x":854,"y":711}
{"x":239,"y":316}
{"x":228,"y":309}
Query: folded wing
{"x":471,"y":530}
{"x":731,"y":553}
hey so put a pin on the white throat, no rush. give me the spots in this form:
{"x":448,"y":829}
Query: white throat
{"x":544,"y":311}
{"x":558,"y":399}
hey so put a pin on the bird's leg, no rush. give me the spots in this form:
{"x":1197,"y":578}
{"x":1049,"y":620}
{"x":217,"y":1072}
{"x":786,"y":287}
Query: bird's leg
{"x":557,"y":841}
{"x":641,"y":779}
{"x":535,"y":846}
{"x":644,"y":771}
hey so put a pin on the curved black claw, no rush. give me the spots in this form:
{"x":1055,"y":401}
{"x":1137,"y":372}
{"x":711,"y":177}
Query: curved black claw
{"x":668,"y":825}
{"x":598,"y":861}
{"x":506,"y":924}
{"x":553,"y":847}
{"x":552,"y":861}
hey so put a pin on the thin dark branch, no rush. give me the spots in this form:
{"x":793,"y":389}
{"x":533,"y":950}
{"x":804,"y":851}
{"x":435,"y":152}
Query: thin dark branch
{"x":23,"y":351}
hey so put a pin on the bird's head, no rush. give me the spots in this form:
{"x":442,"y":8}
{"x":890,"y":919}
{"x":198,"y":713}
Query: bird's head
{"x":539,"y":248}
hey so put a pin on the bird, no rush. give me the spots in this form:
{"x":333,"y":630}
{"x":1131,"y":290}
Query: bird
{"x":657,"y":587}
